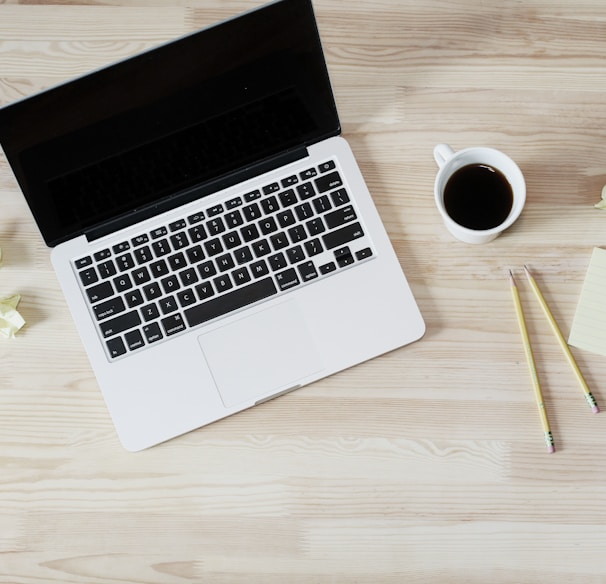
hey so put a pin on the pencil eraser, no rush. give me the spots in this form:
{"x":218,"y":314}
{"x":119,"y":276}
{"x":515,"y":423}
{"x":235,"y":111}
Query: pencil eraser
{"x":595,"y":409}
{"x":551,"y":449}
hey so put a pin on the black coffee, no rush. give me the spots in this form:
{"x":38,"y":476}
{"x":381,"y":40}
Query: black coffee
{"x":478,"y":196}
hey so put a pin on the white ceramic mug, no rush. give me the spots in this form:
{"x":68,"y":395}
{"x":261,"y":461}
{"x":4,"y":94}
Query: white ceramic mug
{"x":449,"y":162}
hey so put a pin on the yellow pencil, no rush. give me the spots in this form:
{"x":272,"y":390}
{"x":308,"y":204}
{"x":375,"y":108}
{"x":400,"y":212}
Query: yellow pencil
{"x":531,"y":365}
{"x":554,"y":326}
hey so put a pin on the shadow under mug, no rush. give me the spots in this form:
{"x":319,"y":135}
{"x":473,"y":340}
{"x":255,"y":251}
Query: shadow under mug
{"x":449,"y":162}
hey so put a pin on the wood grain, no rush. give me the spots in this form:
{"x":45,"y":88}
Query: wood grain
{"x":424,"y":465}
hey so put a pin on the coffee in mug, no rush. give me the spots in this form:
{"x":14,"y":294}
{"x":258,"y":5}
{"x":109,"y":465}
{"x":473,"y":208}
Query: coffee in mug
{"x":479,"y":192}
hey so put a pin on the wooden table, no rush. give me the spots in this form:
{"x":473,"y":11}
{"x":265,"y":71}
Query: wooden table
{"x":425,"y":465}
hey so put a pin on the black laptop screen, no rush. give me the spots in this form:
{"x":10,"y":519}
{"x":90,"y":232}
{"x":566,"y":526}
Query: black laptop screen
{"x":147,"y":132}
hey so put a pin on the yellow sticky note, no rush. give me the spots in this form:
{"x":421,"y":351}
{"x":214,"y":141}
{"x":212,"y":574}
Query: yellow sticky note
{"x":588,"y":329}
{"x":10,"y":319}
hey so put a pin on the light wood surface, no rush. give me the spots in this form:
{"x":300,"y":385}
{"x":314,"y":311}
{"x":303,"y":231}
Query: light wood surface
{"x":425,"y":465}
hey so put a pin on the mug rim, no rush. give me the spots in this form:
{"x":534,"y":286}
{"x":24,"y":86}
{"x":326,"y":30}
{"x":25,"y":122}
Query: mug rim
{"x":519,"y":191}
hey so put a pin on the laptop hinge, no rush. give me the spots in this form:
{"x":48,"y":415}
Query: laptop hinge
{"x":193,"y":193}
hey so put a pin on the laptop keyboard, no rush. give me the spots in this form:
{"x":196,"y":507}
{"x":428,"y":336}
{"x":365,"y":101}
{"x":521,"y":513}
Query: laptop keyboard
{"x":222,"y":258}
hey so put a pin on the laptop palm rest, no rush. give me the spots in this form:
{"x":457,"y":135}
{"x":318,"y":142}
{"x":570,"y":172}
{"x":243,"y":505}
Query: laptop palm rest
{"x":256,"y":356}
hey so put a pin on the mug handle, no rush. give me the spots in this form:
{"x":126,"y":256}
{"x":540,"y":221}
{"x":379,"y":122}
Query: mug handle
{"x":442,"y":153}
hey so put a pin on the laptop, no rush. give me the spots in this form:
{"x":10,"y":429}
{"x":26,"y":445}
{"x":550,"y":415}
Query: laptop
{"x":210,"y":228}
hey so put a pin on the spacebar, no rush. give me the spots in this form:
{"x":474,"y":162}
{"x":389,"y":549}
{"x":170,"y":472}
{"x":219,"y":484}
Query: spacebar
{"x":229,"y":302}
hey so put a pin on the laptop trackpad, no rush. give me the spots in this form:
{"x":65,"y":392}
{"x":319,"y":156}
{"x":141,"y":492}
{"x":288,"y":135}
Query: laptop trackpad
{"x":260,"y":355}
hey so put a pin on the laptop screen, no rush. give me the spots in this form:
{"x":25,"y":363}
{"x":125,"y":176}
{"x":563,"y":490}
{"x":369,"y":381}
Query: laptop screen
{"x":150,"y":132}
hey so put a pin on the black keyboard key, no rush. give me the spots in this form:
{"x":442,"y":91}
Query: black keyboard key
{"x":279,"y":241}
{"x":237,"y":298}
{"x":207,"y":270}
{"x":213,"y":246}
{"x":125,"y":262}
{"x":252,"y":212}
{"x":297,"y":233}
{"x":328,"y":268}
{"x":249,"y":233}
{"x":170,"y":284}
{"x":241,"y":276}
{"x":179,"y":240}
{"x":288,"y":198}
{"x":121,"y":247}
{"x":215,"y":210}
{"x":152,"y":291}
{"x":277,"y":261}
{"x":326,"y":166}
{"x":304,"y":211}
{"x":306,"y":191}
{"x":197,"y":233}
{"x":116,"y":347}
{"x":102,"y":255}
{"x":272,"y":188}
{"x":158,"y":269}
{"x":188,"y":277}
{"x":109,"y":308}
{"x":261,"y":248}
{"x":231,"y":240}
{"x":160,"y":232}
{"x":140,"y":276}
{"x":307,"y":271}
{"x":215,"y":226}
{"x":100,"y":292}
{"x":143,"y":255}
{"x":83,"y":262}
{"x":364,"y":253}
{"x":313,"y":247}
{"x":168,"y":304}
{"x":328,"y":182}
{"x":205,"y":290}
{"x":152,"y":332}
{"x":88,"y":276}
{"x":243,"y":255}
{"x":186,"y":297}
{"x":134,"y":340}
{"x":177,"y":261}
{"x":269,"y":205}
{"x":140,"y":240}
{"x":119,"y":324}
{"x":340,"y":217}
{"x":343,"y":235}
{"x":289,"y":181}
{"x":234,"y":219}
{"x":134,"y":298}
{"x":285,"y":218}
{"x":339,"y":197}
{"x":248,"y":197}
{"x":344,"y":257}
{"x":287,"y":279}
{"x":322,"y":204}
{"x":161,"y":247}
{"x":232,"y":203}
{"x":195,"y":218}
{"x":309,"y":173}
{"x":223,"y":283}
{"x":268,"y":225}
{"x":107,"y":269}
{"x":150,"y":312}
{"x":259,"y":269}
{"x":195,"y":254}
{"x":295,"y":254}
{"x":173,"y":324}
{"x":123,"y":283}
{"x":315,"y":226}
{"x":225,"y":262}
{"x":176,"y":225}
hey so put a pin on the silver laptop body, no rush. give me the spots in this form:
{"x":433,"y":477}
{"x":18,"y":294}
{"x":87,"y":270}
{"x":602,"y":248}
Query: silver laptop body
{"x":211,"y":230}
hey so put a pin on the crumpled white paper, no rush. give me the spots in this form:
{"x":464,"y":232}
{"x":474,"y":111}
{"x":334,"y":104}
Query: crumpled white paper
{"x":602,"y":203}
{"x":10,"y":319}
